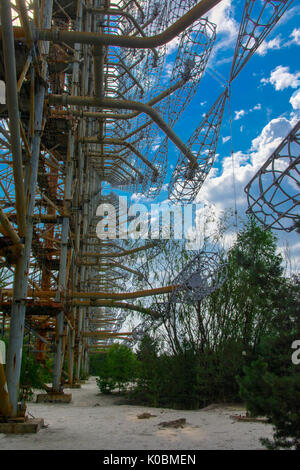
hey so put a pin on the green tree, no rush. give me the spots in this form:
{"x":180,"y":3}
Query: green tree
{"x":248,"y":301}
{"x":96,"y":363}
{"x":270,"y":385}
{"x":34,"y":374}
{"x":210,"y":341}
{"x":119,"y":369}
{"x":149,"y":372}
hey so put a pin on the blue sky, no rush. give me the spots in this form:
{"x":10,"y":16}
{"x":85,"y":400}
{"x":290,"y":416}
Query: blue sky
{"x":265,"y":104}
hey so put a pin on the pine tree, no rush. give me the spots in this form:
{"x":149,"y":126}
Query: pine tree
{"x":271,"y":384}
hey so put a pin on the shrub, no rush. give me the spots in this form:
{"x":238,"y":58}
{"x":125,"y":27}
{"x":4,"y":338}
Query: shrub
{"x":118,"y":369}
{"x":271,"y":384}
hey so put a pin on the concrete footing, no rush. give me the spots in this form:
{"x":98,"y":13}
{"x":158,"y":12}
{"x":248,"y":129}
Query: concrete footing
{"x":29,"y":426}
{"x":54,"y":398}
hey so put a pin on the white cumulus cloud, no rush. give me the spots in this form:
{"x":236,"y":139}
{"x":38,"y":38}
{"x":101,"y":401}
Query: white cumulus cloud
{"x":270,"y":137}
{"x":257,"y":107}
{"x":218,"y":189}
{"x":295,"y":99}
{"x":281,"y":78}
{"x":239,"y":114}
{"x":267,"y":45}
{"x":227,"y":28}
{"x":295,"y":35}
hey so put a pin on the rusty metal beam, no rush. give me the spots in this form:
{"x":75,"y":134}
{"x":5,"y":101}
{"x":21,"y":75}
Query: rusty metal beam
{"x":72,"y":37}
{"x":127,"y":104}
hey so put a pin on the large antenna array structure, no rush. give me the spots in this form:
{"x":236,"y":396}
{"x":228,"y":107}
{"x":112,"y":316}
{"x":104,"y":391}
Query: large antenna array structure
{"x":273,"y":193}
{"x":258,"y":20}
{"x":84,"y":104}
{"x":86,"y":98}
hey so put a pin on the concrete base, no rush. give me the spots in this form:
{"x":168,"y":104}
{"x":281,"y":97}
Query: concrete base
{"x":30,"y":426}
{"x":54,"y":398}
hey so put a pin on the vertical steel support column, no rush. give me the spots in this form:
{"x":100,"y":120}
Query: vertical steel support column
{"x":79,"y":345}
{"x":86,"y":351}
{"x":78,"y":192}
{"x":71,"y":344}
{"x":79,"y":195}
{"x":13,"y":111}
{"x":62,"y":282}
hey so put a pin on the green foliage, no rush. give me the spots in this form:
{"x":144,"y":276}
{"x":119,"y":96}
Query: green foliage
{"x":105,"y":381}
{"x":185,"y":379}
{"x":250,"y":299}
{"x":276,"y":397}
{"x":33,"y":373}
{"x":270,"y":385}
{"x":149,"y":375}
{"x":284,"y":411}
{"x":207,"y":344}
{"x":96,"y":363}
{"x":255,"y":388}
{"x":118,"y":369}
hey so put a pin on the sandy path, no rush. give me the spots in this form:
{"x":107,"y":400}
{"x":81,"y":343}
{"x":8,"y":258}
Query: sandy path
{"x":110,"y":425}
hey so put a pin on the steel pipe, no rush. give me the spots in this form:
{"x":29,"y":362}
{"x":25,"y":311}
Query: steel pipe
{"x":131,"y":105}
{"x":72,"y":37}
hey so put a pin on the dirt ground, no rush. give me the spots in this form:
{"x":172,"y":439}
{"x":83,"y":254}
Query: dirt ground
{"x":96,"y":421}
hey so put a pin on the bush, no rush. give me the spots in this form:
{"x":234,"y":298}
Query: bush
{"x":96,"y":363}
{"x":255,"y":388}
{"x":149,"y":374}
{"x":271,"y":384}
{"x":118,"y":369}
{"x":277,"y":398}
{"x":33,"y":373}
{"x":187,"y":379}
